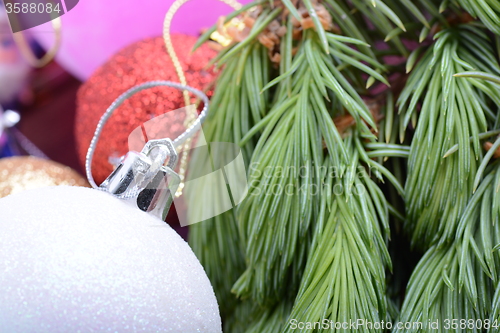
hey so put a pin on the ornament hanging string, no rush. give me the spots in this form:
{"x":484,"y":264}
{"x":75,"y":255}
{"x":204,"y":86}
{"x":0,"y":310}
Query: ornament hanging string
{"x":190,"y":114}
{"x":177,"y":142}
{"x":28,"y":54}
{"x":27,"y":145}
{"x":168,"y":40}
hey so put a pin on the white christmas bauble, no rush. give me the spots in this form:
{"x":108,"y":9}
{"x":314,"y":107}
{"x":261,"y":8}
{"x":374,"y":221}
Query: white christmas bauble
{"x":73,"y":259}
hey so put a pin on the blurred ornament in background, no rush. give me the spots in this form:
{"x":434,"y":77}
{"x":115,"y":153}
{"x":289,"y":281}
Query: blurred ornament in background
{"x":113,"y":24}
{"x":14,"y":70}
{"x":8,"y":119}
{"x":144,"y":61}
{"x":22,"y":173}
{"x":76,"y":259}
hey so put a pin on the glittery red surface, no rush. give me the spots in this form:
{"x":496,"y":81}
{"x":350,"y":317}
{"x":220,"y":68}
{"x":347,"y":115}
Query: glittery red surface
{"x":144,"y":61}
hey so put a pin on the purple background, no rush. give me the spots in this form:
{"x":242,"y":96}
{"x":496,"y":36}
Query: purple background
{"x":96,"y":29}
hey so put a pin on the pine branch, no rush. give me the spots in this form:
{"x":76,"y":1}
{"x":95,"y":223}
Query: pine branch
{"x":434,"y":294}
{"x":458,"y":281}
{"x":488,"y":11}
{"x":270,"y":320}
{"x":276,"y":225}
{"x":238,"y":107}
{"x":290,"y":93}
{"x":248,"y":317}
{"x":437,"y":189}
{"x":344,"y":279}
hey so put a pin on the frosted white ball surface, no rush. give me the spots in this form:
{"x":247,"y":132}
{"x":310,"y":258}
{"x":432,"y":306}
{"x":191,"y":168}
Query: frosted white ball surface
{"x":74,"y":259}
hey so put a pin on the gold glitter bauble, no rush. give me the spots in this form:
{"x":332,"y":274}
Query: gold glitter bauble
{"x":22,"y":173}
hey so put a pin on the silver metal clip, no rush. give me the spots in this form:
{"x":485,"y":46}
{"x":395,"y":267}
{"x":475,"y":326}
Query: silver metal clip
{"x":143,"y":180}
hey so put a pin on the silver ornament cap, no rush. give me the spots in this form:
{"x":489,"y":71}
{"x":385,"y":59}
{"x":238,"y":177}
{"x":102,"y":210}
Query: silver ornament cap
{"x":144,"y":180}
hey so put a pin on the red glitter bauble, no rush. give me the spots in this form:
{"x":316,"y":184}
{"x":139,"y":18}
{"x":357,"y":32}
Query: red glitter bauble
{"x":143,"y":61}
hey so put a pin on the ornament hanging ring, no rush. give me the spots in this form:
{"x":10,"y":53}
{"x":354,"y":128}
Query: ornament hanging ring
{"x":30,"y":56}
{"x":190,"y":131}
